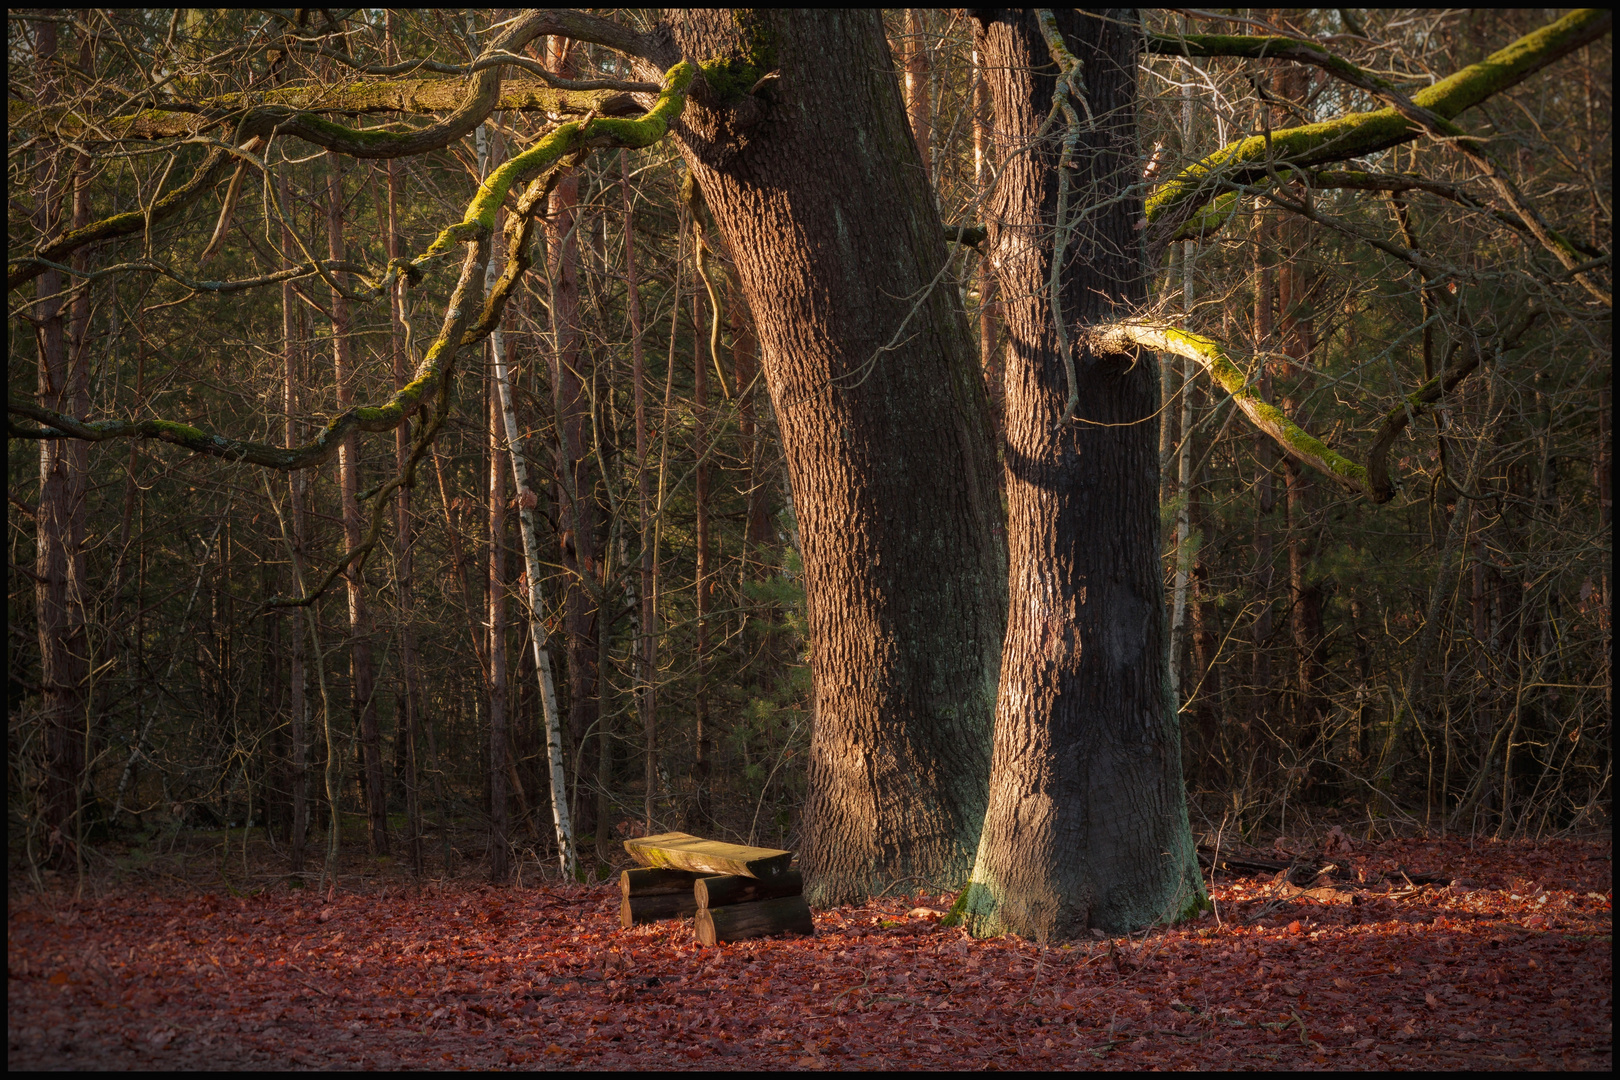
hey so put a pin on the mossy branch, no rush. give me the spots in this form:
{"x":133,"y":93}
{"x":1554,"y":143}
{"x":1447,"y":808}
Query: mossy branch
{"x":466,"y":320}
{"x":415,"y":97}
{"x":1294,"y":440}
{"x":1173,"y":202}
{"x":429,"y":374}
{"x":22,"y":270}
{"x":471,"y":107}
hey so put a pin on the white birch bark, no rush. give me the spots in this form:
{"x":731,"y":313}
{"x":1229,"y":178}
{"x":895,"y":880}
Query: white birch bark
{"x":526,"y":501}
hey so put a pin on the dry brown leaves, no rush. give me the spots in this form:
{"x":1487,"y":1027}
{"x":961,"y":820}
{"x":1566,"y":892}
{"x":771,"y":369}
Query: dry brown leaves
{"x":1509,"y":968}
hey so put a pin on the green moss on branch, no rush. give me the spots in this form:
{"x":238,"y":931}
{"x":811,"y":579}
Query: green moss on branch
{"x":1365,"y":133}
{"x":1294,"y":440}
{"x":466,"y":319}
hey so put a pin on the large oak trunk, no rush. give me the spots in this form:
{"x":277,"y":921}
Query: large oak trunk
{"x":815,"y":181}
{"x":1086,"y":825}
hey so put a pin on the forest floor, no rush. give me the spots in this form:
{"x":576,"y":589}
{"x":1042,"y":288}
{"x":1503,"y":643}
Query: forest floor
{"x":1508,"y":967}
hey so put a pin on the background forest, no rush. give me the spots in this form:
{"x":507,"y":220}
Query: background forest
{"x":1438,"y":663}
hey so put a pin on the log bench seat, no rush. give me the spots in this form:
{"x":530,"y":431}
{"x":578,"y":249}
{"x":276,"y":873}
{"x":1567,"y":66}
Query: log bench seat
{"x":731,"y":891}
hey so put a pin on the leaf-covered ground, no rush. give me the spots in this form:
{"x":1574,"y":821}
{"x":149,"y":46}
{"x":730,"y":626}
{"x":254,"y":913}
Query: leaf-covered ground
{"x":1509,"y":968}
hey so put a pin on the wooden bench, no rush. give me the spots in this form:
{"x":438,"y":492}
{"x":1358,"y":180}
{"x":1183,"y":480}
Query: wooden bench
{"x":732,"y":892}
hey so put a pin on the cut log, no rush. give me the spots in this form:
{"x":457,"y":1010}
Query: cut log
{"x":655,"y":881}
{"x":683,"y":851}
{"x":639,"y":910}
{"x":726,"y":889}
{"x":762,"y":918}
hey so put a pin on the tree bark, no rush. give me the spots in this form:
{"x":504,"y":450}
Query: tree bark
{"x":647,"y":645}
{"x":816,"y":185}
{"x":298,"y":700}
{"x":497,"y":406}
{"x":700,"y":499}
{"x":1298,"y":334}
{"x":362,"y":674}
{"x":983,"y":144}
{"x":59,"y":565}
{"x":919,"y":106}
{"x":744,"y":368}
{"x":576,"y":478}
{"x":409,"y":705}
{"x":1087,"y":822}
{"x":1265,"y":452}
{"x":498,"y":695}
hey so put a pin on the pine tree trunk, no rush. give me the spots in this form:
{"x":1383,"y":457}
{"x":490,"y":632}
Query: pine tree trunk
{"x":562,"y":820}
{"x":1087,"y":823}
{"x":576,"y":478}
{"x":745,"y":368}
{"x":1265,"y":452}
{"x":1298,"y":334}
{"x":647,"y":645}
{"x":919,"y":107}
{"x":362,"y":673}
{"x":817,"y":187}
{"x":983,"y":163}
{"x":700,"y":499}
{"x":409,"y":706}
{"x":498,"y":696}
{"x":298,"y":700}
{"x":59,"y":567}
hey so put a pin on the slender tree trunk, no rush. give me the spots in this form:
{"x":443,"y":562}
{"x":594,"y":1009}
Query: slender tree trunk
{"x":498,"y":696}
{"x":1265,"y":452}
{"x":647,"y":644}
{"x":298,"y":701}
{"x":362,"y":674}
{"x":576,"y":478}
{"x":1183,"y":482}
{"x":983,"y":144}
{"x":409,"y":707}
{"x":873,"y":376}
{"x":59,"y":521}
{"x":1087,"y":822}
{"x":919,"y":107}
{"x":700,"y":499}
{"x":533,"y":576}
{"x":1298,"y":333}
{"x":1207,"y":676}
{"x":745,"y":368}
